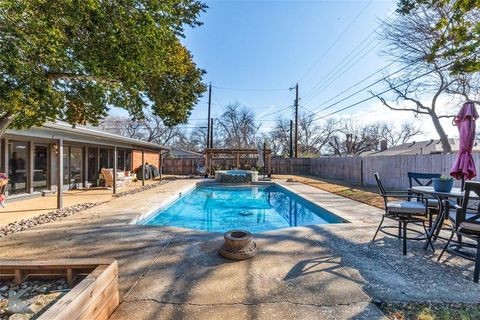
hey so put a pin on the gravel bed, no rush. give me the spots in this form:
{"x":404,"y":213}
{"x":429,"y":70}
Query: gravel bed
{"x":139,"y":189}
{"x":24,"y":301}
{"x":48,"y":217}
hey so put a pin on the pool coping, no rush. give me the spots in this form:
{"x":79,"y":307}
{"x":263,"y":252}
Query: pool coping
{"x":347,"y":218}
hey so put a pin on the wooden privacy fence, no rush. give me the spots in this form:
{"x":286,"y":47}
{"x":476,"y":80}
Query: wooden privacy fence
{"x":355,"y":170}
{"x":182,"y":166}
{"x":291,"y":166}
{"x":359,"y":170}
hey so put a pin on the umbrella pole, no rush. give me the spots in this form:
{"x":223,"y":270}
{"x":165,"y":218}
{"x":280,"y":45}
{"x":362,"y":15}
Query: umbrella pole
{"x":463,"y":183}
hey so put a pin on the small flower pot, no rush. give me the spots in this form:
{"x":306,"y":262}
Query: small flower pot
{"x":440,"y":185}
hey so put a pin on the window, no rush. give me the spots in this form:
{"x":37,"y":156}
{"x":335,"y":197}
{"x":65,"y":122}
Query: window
{"x":17,"y":166}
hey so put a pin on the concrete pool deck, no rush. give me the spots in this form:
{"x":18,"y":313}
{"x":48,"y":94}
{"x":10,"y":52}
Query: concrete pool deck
{"x":312,"y":272}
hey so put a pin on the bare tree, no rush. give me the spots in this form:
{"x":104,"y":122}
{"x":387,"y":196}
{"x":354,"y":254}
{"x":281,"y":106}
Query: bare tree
{"x":410,"y":40}
{"x":313,"y":136}
{"x":237,"y":127}
{"x":279,"y":138}
{"x":150,"y":129}
{"x":353,"y":138}
{"x":194,"y":140}
{"x":395,"y":136}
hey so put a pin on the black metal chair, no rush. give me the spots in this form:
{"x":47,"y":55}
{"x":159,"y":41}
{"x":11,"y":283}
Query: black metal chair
{"x":405,"y":212}
{"x":423,"y":180}
{"x":466,"y":223}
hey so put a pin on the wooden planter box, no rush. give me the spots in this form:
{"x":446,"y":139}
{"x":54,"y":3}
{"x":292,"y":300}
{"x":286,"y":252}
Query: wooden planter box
{"x":95,"y":297}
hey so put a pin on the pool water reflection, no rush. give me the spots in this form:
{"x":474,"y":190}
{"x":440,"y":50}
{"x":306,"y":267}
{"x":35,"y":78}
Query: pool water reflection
{"x":253,"y":208}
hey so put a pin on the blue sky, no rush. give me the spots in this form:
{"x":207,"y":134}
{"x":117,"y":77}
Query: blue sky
{"x":270,"y":45}
{"x":253,"y":51}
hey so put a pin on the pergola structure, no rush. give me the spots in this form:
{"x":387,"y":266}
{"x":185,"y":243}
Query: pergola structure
{"x":212,"y":153}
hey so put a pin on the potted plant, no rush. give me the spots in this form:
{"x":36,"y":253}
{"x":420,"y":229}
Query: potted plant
{"x":443,"y":184}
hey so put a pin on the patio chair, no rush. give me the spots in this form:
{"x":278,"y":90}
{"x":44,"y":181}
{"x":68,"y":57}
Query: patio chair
{"x":404,"y":212}
{"x":108,"y":176}
{"x":424,"y":180}
{"x":467,"y":224}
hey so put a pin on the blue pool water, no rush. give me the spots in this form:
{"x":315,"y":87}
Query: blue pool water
{"x":252,"y":208}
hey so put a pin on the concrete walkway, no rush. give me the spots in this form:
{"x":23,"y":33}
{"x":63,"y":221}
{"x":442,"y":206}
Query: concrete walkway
{"x":313,"y":272}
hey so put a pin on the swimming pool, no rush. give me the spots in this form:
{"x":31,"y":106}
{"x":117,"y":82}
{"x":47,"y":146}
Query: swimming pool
{"x":254,"y":208}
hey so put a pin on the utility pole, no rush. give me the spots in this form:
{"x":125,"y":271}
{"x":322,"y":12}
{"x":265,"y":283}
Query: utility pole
{"x":209,"y":109}
{"x":211,"y":133}
{"x":296,"y":120}
{"x":291,"y":139}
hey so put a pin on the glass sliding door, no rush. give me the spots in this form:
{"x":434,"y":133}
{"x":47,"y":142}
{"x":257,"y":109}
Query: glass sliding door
{"x":128,"y":160}
{"x":120,"y":160}
{"x":76,"y":161}
{"x":93,"y":169}
{"x":40,"y":167}
{"x":72,"y":167}
{"x":103,"y":158}
{"x":17,"y":166}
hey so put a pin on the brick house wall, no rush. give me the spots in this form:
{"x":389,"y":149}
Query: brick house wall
{"x":150,"y":158}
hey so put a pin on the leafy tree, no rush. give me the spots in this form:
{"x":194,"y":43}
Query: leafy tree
{"x":457,"y":30}
{"x":71,"y":59}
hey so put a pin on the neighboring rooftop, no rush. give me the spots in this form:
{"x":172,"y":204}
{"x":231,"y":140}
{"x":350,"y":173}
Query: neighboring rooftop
{"x":418,"y":147}
{"x":182,"y":153}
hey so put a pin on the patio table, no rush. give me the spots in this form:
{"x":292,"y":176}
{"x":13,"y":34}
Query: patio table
{"x":444,"y":205}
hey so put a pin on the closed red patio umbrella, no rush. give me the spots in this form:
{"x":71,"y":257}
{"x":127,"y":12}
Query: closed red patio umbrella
{"x":464,"y":166}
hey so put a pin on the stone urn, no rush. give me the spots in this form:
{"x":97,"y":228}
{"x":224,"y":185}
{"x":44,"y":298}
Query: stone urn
{"x":238,"y":245}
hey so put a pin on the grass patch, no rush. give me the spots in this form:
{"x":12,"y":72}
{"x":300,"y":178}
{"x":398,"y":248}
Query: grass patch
{"x":366,"y":195}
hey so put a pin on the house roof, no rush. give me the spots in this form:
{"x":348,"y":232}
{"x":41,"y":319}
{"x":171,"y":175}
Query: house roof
{"x":83,"y":134}
{"x":431,"y":146}
{"x":178,"y":152}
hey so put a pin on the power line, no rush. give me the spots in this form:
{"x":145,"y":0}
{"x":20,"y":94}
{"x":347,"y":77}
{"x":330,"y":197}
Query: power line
{"x":354,"y":85}
{"x":335,"y":42}
{"x":352,"y":52}
{"x":332,"y":78}
{"x":277,"y":111}
{"x":390,"y":89}
{"x":360,"y":91}
{"x":249,"y":89}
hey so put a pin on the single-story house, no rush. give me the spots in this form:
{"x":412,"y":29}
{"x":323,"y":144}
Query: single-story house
{"x":178,"y":153}
{"x":58,"y":157}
